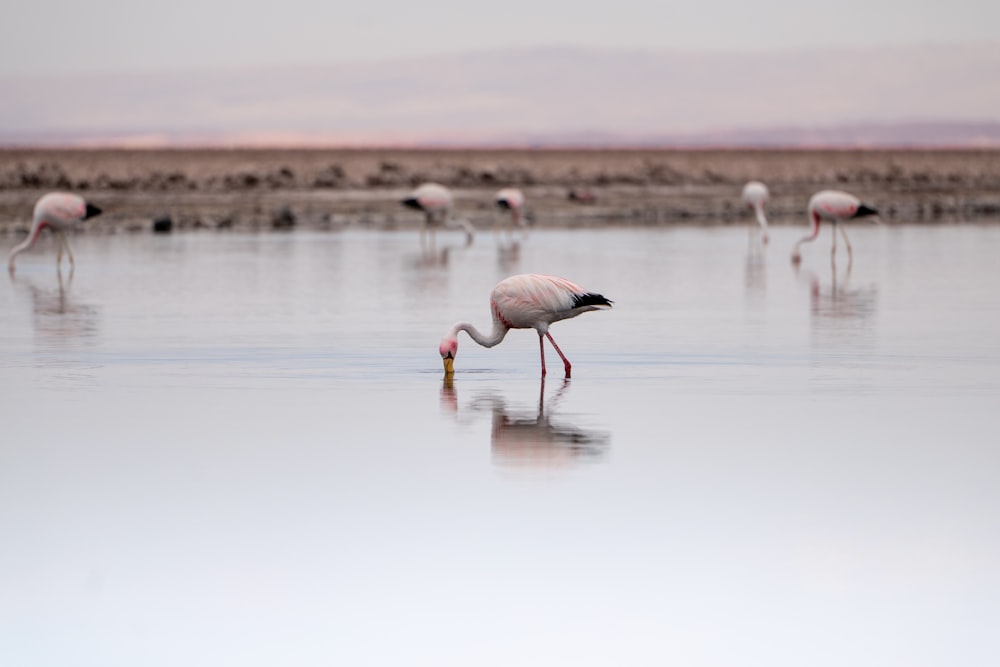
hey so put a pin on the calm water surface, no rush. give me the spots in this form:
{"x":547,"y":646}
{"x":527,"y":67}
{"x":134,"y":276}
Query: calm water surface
{"x":227,"y":449}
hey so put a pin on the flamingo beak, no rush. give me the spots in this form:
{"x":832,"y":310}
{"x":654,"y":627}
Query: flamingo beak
{"x":449,"y":365}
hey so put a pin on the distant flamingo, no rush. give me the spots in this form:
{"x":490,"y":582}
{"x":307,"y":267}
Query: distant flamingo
{"x":527,"y":301}
{"x":755,"y":195}
{"x":512,"y":199}
{"x":60,"y":212}
{"x":833,"y":206}
{"x":435,"y":201}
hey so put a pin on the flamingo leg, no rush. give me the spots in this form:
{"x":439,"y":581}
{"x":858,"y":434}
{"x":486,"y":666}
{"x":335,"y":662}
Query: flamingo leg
{"x":561,"y":355}
{"x":72,"y":264}
{"x":59,"y":251}
{"x":833,"y":252}
{"x":843,"y":232}
{"x":541,"y":349}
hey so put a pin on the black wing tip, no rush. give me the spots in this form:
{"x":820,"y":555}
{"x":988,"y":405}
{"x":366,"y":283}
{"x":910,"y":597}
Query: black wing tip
{"x":412,"y":202}
{"x":91,"y":211}
{"x":864,"y":210}
{"x":591,"y":299}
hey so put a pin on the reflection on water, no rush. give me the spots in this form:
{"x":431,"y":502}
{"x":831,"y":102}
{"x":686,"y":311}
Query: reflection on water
{"x":433,"y":257}
{"x":838,"y":305}
{"x":264,"y":439}
{"x":755,"y":271}
{"x":508,"y":255}
{"x":529,"y":437}
{"x":63,"y":326}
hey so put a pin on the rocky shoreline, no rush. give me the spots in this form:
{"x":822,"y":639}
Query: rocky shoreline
{"x":256,"y":189}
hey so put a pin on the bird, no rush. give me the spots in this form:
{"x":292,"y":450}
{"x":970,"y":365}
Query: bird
{"x":755,"y":195}
{"x":833,"y":206}
{"x":435,"y":201}
{"x":526,"y":301}
{"x":512,"y":199}
{"x":60,"y":212}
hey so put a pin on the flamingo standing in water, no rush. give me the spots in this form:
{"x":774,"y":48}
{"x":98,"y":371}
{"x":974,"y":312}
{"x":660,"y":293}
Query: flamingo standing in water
{"x":512,"y":199}
{"x":435,"y":201}
{"x":755,"y":195}
{"x":527,"y":301}
{"x":833,"y":206}
{"x":60,"y":212}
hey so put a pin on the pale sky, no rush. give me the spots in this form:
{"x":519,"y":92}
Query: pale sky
{"x":98,"y":36}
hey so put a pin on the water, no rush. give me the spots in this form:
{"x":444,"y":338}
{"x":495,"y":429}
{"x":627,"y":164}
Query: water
{"x":238,"y":449}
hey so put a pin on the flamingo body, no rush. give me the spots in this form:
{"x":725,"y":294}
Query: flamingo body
{"x":435,"y":201}
{"x":527,"y":301}
{"x":60,"y":212}
{"x":833,"y":206}
{"x":755,"y":195}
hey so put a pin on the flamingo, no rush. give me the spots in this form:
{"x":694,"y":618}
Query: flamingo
{"x":59,"y":211}
{"x":512,"y":199}
{"x":526,"y":301}
{"x":435,"y":201}
{"x":755,"y":195}
{"x":833,"y":206}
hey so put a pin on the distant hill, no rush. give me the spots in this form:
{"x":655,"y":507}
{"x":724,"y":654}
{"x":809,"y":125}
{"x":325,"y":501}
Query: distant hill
{"x":915,"y":95}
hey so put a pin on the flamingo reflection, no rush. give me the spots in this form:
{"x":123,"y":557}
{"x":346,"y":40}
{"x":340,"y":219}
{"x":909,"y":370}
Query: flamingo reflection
{"x":755,"y":271}
{"x":57,"y":316}
{"x":530,"y":437}
{"x":839,"y":306}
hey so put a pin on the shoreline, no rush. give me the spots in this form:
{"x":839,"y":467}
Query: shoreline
{"x":249,"y":188}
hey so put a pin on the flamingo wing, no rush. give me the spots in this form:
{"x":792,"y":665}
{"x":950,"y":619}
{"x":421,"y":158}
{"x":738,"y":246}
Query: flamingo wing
{"x":534,"y":301}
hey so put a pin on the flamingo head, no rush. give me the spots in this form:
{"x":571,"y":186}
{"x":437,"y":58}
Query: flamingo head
{"x":448,"y":350}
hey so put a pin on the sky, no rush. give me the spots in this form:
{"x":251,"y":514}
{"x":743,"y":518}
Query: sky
{"x":42,"y":37}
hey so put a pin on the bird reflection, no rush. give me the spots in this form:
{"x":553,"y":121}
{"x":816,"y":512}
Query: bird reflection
{"x":58,"y":317}
{"x":529,"y":437}
{"x":755,"y":273}
{"x":64,"y":328}
{"x":508,"y":255}
{"x":432,"y":257}
{"x":839,"y":306}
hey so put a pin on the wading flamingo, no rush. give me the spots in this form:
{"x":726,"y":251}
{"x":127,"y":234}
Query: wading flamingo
{"x":833,"y":206}
{"x":755,"y":195}
{"x":60,"y":212}
{"x":527,"y":301}
{"x":512,"y":199}
{"x":435,"y":201}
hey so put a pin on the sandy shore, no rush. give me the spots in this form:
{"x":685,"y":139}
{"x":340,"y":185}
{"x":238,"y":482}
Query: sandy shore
{"x":251,"y":189}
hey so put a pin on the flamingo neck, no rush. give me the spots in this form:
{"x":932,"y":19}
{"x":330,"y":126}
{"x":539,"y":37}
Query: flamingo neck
{"x":499,"y":331}
{"x":814,"y":219}
{"x":761,"y":218}
{"x":36,"y":229}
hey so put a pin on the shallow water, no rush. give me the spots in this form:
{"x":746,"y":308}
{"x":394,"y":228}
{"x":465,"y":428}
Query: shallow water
{"x":238,"y":449}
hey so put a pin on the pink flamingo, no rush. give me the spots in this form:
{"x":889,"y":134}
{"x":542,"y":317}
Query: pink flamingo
{"x":60,"y":212}
{"x":527,"y":301}
{"x":833,"y":206}
{"x":755,"y":195}
{"x":435,"y":201}
{"x":512,"y":199}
